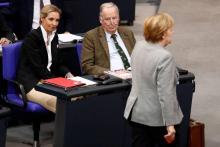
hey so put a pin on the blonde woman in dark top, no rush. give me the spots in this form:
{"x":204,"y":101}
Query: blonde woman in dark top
{"x":39,"y":58}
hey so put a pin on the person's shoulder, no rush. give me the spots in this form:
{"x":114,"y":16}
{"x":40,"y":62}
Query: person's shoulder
{"x":93,"y":31}
{"x":140,"y":46}
{"x":155,"y":48}
{"x":34,"y":35}
{"x":164,"y":55}
{"x":165,"y":52}
{"x":124,"y":30}
{"x":34,"y":32}
{"x":141,"y":42}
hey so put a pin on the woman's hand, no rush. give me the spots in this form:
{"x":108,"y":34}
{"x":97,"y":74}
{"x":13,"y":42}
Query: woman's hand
{"x":170,"y":136}
{"x":69,"y":75}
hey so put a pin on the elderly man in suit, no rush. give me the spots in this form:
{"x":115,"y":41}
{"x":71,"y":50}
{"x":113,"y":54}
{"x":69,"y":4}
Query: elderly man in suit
{"x":107,"y":47}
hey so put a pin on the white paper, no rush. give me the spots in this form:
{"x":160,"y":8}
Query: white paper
{"x":121,"y":73}
{"x":69,"y":37}
{"x":83,"y":80}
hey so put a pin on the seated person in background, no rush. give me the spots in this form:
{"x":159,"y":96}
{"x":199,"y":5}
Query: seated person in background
{"x":26,"y":15}
{"x":39,"y":58}
{"x":6,"y":34}
{"x":107,"y":47}
{"x":152,"y":104}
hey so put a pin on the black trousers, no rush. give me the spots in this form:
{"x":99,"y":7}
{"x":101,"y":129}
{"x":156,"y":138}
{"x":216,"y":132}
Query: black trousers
{"x":147,"y":136}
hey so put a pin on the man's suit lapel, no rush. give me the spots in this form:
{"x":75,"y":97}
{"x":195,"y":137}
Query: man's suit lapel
{"x":103,"y":41}
{"x":125,"y":39}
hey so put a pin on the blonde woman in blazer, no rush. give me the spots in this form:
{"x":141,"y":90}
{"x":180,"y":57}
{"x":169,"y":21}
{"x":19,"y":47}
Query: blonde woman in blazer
{"x":40,"y":58}
{"x":152,"y":105}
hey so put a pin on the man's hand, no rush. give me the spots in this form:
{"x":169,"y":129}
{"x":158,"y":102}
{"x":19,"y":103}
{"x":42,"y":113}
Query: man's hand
{"x":69,"y":75}
{"x":170,"y":136}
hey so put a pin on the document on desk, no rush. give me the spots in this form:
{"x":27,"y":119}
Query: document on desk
{"x":83,"y":80}
{"x":121,"y":73}
{"x":66,"y":38}
{"x":63,"y":82}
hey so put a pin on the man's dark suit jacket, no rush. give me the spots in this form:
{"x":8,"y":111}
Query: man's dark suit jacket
{"x":5,"y":31}
{"x":95,"y":52}
{"x":23,"y":15}
{"x":34,"y":59}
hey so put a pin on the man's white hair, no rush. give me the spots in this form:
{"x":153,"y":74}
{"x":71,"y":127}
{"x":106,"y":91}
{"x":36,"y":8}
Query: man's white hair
{"x":107,"y":5}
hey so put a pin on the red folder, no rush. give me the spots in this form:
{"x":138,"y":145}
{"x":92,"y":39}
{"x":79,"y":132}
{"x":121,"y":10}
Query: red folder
{"x":63,"y":82}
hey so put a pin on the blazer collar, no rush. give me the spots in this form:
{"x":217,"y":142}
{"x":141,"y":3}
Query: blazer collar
{"x":103,"y":40}
{"x":126,"y":39}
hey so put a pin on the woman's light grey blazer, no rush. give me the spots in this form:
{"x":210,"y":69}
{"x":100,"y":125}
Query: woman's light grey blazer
{"x":153,"y":100}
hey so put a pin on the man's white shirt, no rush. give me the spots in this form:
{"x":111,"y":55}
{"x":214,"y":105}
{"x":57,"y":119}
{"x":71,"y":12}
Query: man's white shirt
{"x":115,"y":59}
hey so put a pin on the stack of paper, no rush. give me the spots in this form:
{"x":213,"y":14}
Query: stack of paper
{"x":83,"y":80}
{"x":66,"y":38}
